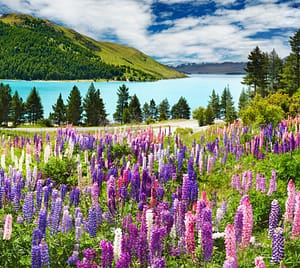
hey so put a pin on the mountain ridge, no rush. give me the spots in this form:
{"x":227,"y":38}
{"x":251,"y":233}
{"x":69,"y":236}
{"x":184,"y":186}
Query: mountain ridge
{"x":212,"y":68}
{"x":33,"y":49}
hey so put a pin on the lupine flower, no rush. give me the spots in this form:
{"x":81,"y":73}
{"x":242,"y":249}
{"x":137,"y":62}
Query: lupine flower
{"x":36,"y":258}
{"x":247,"y":223}
{"x":143,"y":249}
{"x":277,"y":246}
{"x":159,"y":263}
{"x":200,"y":206}
{"x":189,"y":233}
{"x":28,"y":207}
{"x":55,"y":217}
{"x":107,"y":254}
{"x":117,"y":243}
{"x":7,"y":227}
{"x":44,"y":253}
{"x":273,"y":185}
{"x":290,"y":202}
{"x":157,"y":234}
{"x":39,"y":194}
{"x":149,"y":222}
{"x":230,"y":262}
{"x":92,"y":222}
{"x":207,"y":241}
{"x":259,"y":262}
{"x":36,"y":237}
{"x":296,"y":222}
{"x":89,"y":254}
{"x":123,"y":261}
{"x":230,"y":243}
{"x":274,"y":217}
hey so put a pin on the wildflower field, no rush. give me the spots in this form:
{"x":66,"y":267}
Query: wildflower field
{"x":226,"y":197}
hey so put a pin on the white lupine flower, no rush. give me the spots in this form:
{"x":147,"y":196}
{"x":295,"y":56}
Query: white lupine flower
{"x":117,"y":243}
{"x":149,"y":222}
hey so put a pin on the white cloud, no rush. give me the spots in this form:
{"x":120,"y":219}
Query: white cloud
{"x":226,"y":34}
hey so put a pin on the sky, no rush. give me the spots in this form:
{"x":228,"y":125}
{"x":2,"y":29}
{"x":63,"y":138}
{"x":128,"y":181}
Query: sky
{"x":176,"y":31}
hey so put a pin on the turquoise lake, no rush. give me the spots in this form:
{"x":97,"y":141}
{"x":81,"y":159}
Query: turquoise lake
{"x":195,"y":88}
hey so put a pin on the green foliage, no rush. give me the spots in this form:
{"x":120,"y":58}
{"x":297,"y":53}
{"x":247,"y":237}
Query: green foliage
{"x":34,"y":108}
{"x":163,"y":110}
{"x":60,"y":170}
{"x":74,"y":107}
{"x":59,"y":111}
{"x":5,"y":98}
{"x":199,"y":114}
{"x":122,"y":103}
{"x":181,"y":110}
{"x":135,"y":110}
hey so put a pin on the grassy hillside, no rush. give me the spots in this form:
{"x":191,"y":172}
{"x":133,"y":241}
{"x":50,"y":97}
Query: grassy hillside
{"x":32,"y":48}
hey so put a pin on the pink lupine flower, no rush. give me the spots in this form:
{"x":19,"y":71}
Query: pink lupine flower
{"x":247,"y":223}
{"x":259,"y":262}
{"x":290,"y":202}
{"x":7,"y":227}
{"x":296,"y":222}
{"x":189,"y":232}
{"x":230,"y":243}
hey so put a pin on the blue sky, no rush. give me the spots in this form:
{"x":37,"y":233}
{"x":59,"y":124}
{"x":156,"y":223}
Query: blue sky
{"x":176,"y":31}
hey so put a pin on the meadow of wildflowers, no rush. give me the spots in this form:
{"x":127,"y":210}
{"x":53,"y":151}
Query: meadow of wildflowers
{"x":147,"y":198}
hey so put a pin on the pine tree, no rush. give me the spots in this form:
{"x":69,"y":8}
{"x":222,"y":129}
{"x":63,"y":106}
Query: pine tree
{"x":257,"y":71}
{"x":227,"y":106}
{"x":94,"y":109}
{"x":164,"y":110}
{"x":5,"y":98}
{"x":243,"y":100}
{"x":181,"y":110}
{"x":134,"y":109}
{"x":153,"y":110}
{"x":146,"y":111}
{"x":214,"y":102}
{"x":122,"y":103}
{"x":274,"y":71}
{"x":17,"y":109}
{"x":59,"y":111}
{"x":209,"y":115}
{"x":34,"y":108}
{"x":74,"y":107}
{"x":295,"y":47}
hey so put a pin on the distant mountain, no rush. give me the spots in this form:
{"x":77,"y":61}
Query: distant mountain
{"x":213,"y":68}
{"x":36,"y":49}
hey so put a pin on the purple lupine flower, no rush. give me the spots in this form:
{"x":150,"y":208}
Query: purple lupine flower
{"x":127,"y":220}
{"x":36,"y":258}
{"x":159,"y":263}
{"x":44,"y":253}
{"x":157,"y":234}
{"x":274,"y":217}
{"x":135,"y":184}
{"x":143,"y":249}
{"x":111,"y":194}
{"x":2,"y":194}
{"x":39,"y":194}
{"x":36,"y":237}
{"x":107,"y":254}
{"x":66,"y":222}
{"x":230,"y":262}
{"x":92,"y":222}
{"x":47,"y":190}
{"x":123,"y":261}
{"x":63,"y":191}
{"x":277,"y":246}
{"x":238,"y":224}
{"x":273,"y":185}
{"x":28,"y":207}
{"x":133,"y":239}
{"x":17,"y":196}
{"x":42,"y":222}
{"x":185,"y":191}
{"x":207,"y":241}
{"x":89,"y":254}
{"x":55,"y":216}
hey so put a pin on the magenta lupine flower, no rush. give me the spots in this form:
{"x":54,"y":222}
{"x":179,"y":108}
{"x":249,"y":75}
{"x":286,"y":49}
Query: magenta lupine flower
{"x":296,"y":222}
{"x":123,"y":261}
{"x":230,"y":243}
{"x":143,"y":249}
{"x":273,"y":185}
{"x":274,"y":217}
{"x":247,"y":223}
{"x":107,"y":254}
{"x":259,"y":262}
{"x":7,"y":227}
{"x":89,"y":254}
{"x":277,"y":246}
{"x":189,"y":233}
{"x":290,"y":202}
{"x":236,"y":182}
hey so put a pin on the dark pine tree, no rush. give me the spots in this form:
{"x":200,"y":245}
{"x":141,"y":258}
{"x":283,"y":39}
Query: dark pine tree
{"x":34,"y":108}
{"x":135,"y":110}
{"x":146,"y":111}
{"x":5,"y":99}
{"x":59,"y":111}
{"x":153,"y":110}
{"x":181,"y":110}
{"x":122,"y":103}
{"x":94,"y":109}
{"x":74,"y":107}
{"x":17,"y":109}
{"x":164,"y":110}
{"x":214,"y":102}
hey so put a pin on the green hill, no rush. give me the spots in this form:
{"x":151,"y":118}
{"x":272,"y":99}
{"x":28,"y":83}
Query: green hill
{"x":33,"y":49}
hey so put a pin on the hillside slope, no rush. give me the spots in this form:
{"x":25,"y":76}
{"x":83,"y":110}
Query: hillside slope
{"x":32,"y":48}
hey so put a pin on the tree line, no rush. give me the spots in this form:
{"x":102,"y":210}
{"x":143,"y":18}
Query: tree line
{"x":272,"y":93}
{"x":89,"y":111}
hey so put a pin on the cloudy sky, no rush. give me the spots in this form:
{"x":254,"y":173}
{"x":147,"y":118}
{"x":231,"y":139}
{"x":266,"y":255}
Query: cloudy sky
{"x":176,"y":31}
